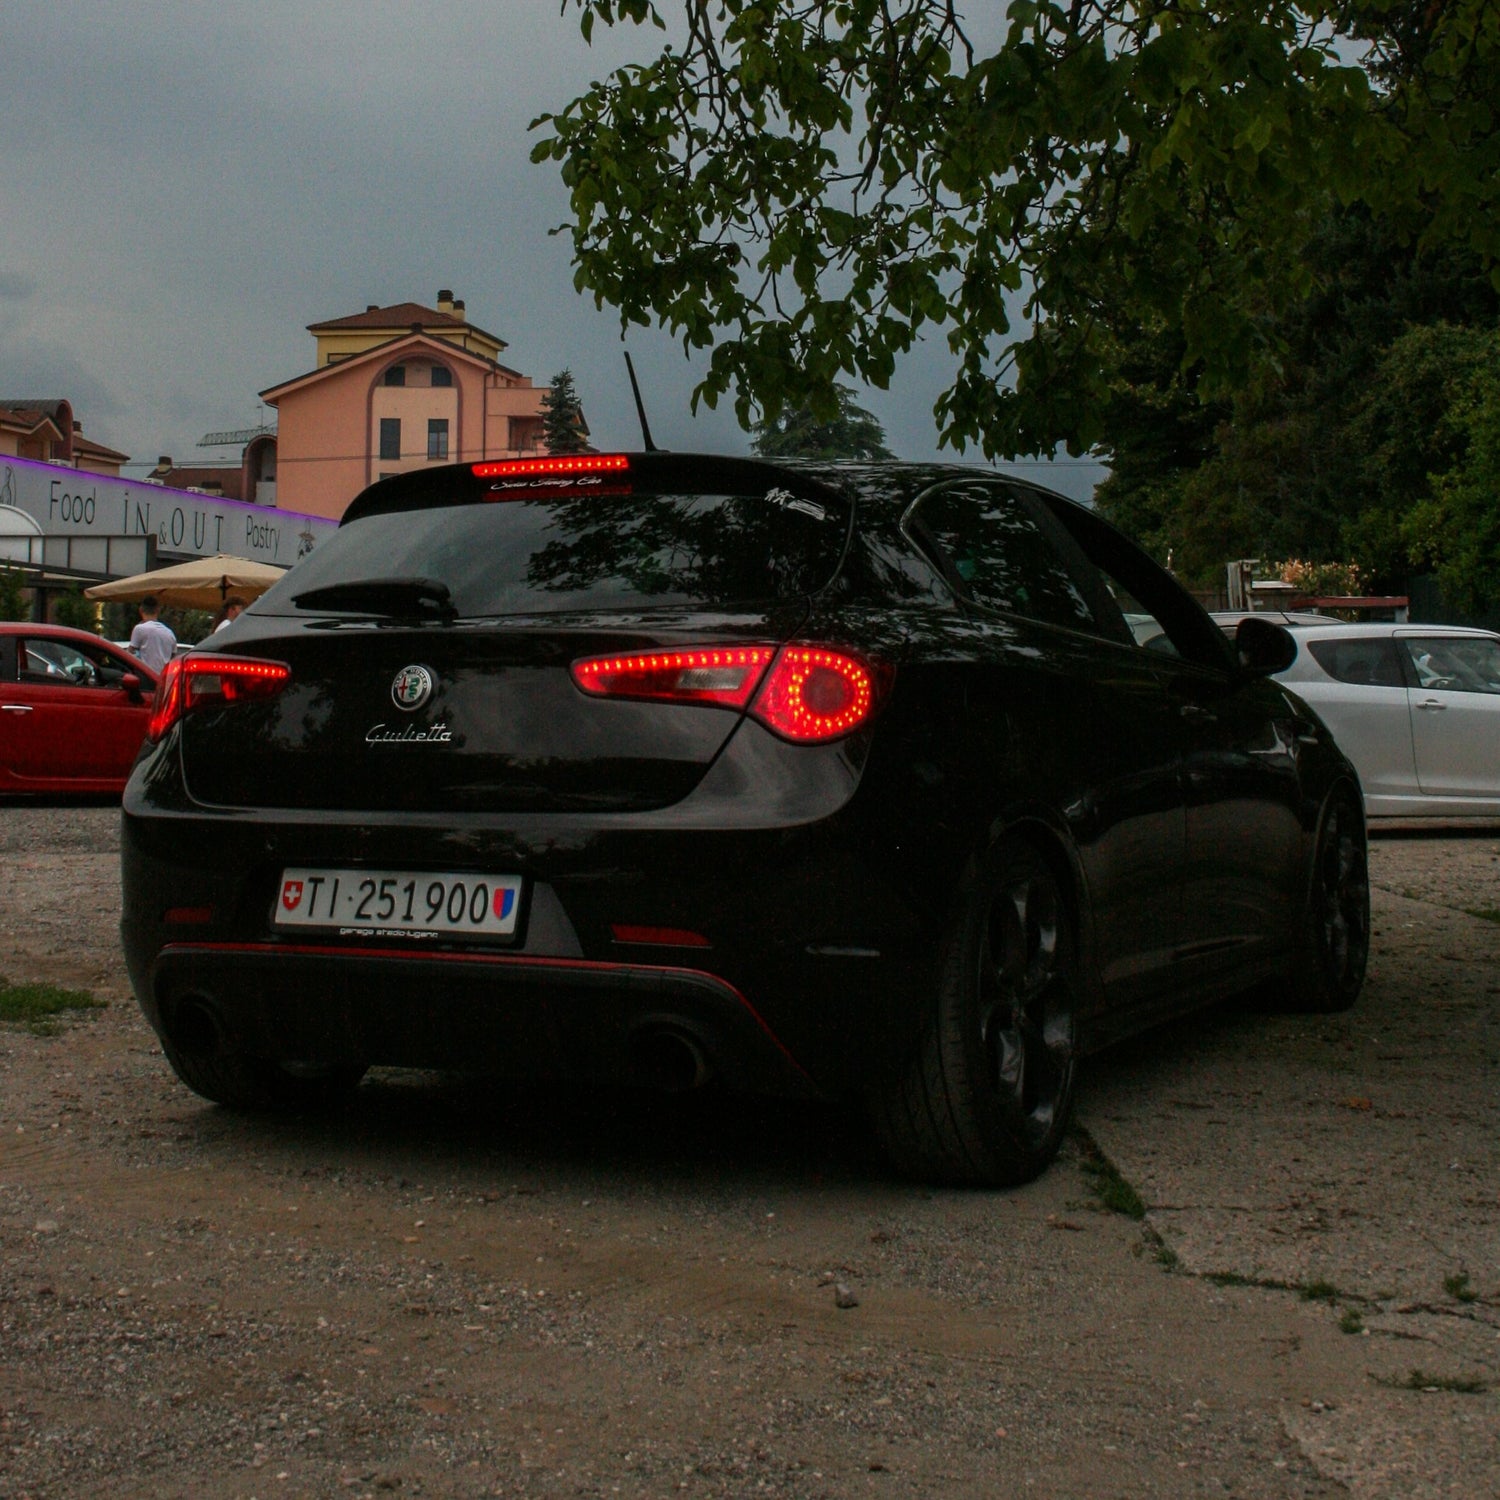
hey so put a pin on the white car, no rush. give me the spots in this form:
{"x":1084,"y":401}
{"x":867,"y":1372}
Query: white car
{"x":1415,"y":707}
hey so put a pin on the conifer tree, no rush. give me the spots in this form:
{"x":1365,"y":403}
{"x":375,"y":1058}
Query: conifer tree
{"x":563,"y":427}
{"x":796,"y":432}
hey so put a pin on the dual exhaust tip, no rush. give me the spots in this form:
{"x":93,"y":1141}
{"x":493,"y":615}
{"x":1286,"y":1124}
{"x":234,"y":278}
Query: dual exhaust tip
{"x":662,"y":1055}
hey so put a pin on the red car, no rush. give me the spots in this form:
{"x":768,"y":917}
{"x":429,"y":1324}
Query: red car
{"x":73,"y":710}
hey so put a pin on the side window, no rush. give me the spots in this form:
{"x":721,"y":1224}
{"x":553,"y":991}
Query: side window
{"x":58,"y":662}
{"x":1364,"y":663}
{"x":993,"y":552}
{"x":67,"y":664}
{"x":1463,"y":664}
{"x":1159,"y":614}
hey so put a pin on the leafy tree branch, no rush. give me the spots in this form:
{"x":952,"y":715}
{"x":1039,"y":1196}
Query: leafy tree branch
{"x":806,"y":188}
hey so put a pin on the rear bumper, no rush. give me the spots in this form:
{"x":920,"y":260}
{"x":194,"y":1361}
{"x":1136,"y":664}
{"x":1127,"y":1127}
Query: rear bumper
{"x":537,"y":1017}
{"x":815,"y":946}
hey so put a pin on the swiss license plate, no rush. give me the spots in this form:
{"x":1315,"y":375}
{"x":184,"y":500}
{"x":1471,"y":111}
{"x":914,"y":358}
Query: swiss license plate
{"x":396,"y":902}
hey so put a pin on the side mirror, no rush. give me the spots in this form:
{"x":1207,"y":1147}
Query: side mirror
{"x":132,"y":684}
{"x":1263,"y":647}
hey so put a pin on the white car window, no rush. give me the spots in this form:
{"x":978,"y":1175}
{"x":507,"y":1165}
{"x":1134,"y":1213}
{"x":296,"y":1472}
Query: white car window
{"x":1464,"y":664}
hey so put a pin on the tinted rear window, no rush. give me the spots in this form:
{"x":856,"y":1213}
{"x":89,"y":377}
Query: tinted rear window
{"x":561,"y":555}
{"x":1364,"y":661}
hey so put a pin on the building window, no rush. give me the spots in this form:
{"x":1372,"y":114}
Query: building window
{"x":396,"y":375}
{"x":437,"y":437}
{"x":390,"y":437}
{"x":442,"y":375}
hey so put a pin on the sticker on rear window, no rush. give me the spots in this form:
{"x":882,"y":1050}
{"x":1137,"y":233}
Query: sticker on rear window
{"x":549,"y":486}
{"x":788,"y":501}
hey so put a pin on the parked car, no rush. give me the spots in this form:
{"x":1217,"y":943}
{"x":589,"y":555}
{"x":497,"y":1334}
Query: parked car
{"x":1228,"y":620}
{"x":813,"y":780}
{"x":73,"y":710}
{"x":1415,"y":707}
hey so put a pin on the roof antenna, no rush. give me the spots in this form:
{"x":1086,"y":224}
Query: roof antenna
{"x":640,"y":409}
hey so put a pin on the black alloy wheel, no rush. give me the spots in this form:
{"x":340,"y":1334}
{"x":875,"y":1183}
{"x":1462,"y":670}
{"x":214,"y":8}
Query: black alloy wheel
{"x":988,"y":1095}
{"x":1335,"y":945}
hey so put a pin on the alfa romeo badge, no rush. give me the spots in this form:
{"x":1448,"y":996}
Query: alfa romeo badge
{"x":412,"y":687}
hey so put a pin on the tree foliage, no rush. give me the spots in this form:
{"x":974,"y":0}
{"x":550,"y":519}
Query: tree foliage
{"x":808,"y":187}
{"x":13,"y":605}
{"x":852,"y":432}
{"x":563,"y":427}
{"x":1328,"y":456}
{"x":1454,"y":527}
{"x":71,"y":608}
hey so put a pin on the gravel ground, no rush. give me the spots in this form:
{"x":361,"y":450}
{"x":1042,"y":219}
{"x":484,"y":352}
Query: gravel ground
{"x":445,"y":1291}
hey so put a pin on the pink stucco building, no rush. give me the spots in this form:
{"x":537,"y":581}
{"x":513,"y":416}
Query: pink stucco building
{"x":392,"y":389}
{"x":46,"y":430}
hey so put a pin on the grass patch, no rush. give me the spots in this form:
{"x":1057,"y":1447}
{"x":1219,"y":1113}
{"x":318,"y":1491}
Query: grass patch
{"x":41,"y":1008}
{"x":1319,"y":1291}
{"x":1420,"y":1380}
{"x":1351,"y":1322}
{"x":1110,"y":1186}
{"x":1238,"y":1278}
{"x":1457,"y":1286}
{"x":1484,"y":913}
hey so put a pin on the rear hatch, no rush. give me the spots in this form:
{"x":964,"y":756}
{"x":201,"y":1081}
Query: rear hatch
{"x":431,"y":640}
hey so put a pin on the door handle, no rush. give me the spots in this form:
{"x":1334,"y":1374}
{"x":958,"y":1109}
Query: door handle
{"x":16,"y":708}
{"x":1197,"y":714}
{"x":1432,"y":703}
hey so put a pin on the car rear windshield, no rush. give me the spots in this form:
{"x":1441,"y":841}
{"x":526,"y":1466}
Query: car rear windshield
{"x":563,"y":555}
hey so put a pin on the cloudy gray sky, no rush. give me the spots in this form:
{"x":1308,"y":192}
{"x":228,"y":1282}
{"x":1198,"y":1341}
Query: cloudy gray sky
{"x":184,"y":188}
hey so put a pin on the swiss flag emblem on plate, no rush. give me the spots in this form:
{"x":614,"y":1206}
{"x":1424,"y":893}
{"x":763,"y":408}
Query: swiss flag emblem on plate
{"x":291,"y":894}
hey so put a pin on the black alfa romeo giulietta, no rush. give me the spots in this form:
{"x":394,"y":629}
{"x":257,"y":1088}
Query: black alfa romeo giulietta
{"x":904,"y":784}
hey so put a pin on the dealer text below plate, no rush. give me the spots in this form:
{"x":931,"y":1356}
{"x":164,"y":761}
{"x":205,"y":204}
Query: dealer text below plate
{"x":393,"y":901}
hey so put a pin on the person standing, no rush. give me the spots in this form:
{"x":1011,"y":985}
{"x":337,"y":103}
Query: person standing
{"x":233,"y":606}
{"x":152,"y":641}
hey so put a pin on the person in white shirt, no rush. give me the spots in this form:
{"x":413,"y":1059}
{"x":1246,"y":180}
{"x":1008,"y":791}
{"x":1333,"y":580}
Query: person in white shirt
{"x":230,"y":614}
{"x":152,"y":641}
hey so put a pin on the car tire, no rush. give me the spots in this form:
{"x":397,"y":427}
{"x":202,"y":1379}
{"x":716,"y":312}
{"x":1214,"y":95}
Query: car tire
{"x":253,"y":1083}
{"x":986,"y":1097}
{"x":1335,"y":940}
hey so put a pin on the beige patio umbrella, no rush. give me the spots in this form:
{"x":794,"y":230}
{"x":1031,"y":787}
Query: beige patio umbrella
{"x":203,"y":583}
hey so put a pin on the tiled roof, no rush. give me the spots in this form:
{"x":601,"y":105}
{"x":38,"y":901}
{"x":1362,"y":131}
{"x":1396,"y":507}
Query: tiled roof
{"x":28,"y":413}
{"x":400,"y":315}
{"x":86,"y":446}
{"x":200,"y":476}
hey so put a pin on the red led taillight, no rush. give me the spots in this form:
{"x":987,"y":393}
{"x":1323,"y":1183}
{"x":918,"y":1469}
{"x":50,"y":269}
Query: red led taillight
{"x":811,"y":695}
{"x":203,"y":681}
{"x":553,"y":468}
{"x":726,"y":675}
{"x":807,"y":694}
